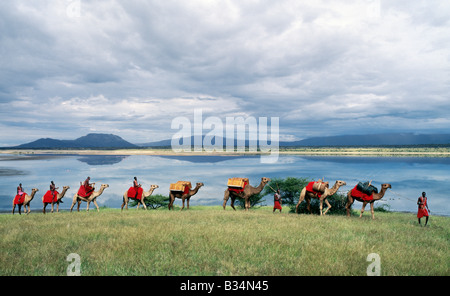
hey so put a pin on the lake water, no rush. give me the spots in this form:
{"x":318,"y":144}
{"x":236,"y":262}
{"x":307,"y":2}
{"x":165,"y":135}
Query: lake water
{"x":409,"y":176}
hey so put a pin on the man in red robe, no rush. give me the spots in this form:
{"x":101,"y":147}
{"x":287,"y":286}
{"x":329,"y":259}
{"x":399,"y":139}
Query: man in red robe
{"x":423,"y":208}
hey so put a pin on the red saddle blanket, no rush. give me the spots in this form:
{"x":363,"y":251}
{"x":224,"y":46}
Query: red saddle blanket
{"x":19,"y":199}
{"x":132,"y":192}
{"x":237,"y":189}
{"x":48,"y":197}
{"x":358,"y":194}
{"x":309,"y":188}
{"x":85,"y":192}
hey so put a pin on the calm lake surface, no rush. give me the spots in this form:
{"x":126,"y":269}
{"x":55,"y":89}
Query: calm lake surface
{"x":409,"y":176}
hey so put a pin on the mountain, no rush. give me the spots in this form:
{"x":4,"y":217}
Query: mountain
{"x":88,"y":141}
{"x":391,"y":139}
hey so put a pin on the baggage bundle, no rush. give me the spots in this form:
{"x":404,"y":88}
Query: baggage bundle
{"x":181,"y":186}
{"x":366,"y":188}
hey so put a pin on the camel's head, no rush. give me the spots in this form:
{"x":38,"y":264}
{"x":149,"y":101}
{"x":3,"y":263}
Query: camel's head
{"x":386,"y":186}
{"x":200,"y":184}
{"x":66,"y":187}
{"x":104,"y":186}
{"x":34,"y":190}
{"x":341,"y":183}
{"x":265,"y":180}
{"x":154,"y":186}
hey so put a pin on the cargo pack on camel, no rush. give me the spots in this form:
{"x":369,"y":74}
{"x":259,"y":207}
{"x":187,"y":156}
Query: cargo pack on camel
{"x":182,"y":190}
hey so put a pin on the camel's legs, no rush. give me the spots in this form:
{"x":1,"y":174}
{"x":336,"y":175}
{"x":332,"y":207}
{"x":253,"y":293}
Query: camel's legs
{"x":52,"y":206}
{"x":372,"y":211}
{"x":172,"y":199}
{"x":225,"y":198}
{"x":78,"y":205}
{"x":43,"y":209}
{"x":328,"y":206}
{"x":182,"y":199}
{"x":232,"y":202}
{"x":308,"y":205}
{"x":188,"y":203}
{"x":350,"y":201}
{"x":96,"y":205}
{"x":125,"y":203}
{"x":300,"y":200}
{"x":14,"y":207}
{"x":362,"y":210}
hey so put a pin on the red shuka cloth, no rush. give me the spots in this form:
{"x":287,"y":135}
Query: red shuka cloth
{"x":309,"y":188}
{"x":48,"y":197}
{"x":237,"y":189}
{"x":132,"y":192}
{"x":277,"y":205}
{"x":19,"y":199}
{"x":422,"y":208}
{"x":85,"y":193}
{"x":358,"y":194}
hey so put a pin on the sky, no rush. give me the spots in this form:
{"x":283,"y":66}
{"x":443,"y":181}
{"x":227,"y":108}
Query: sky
{"x":324,"y":68}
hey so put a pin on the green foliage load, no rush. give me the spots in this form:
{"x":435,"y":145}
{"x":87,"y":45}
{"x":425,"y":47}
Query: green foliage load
{"x":153,"y":201}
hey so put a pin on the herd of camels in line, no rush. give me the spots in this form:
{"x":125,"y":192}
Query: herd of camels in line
{"x":245,"y":193}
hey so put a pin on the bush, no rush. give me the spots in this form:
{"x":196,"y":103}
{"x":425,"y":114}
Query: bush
{"x":153,"y":201}
{"x":290,"y":189}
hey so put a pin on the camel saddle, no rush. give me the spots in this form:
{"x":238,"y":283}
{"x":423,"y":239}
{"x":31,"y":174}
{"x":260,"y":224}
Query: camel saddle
{"x":237,"y":184}
{"x":48,"y":197}
{"x":85,"y":192}
{"x":181,"y":186}
{"x":19,"y":199}
{"x":310,"y":188}
{"x":359,"y":194}
{"x":133,"y":193}
{"x":319,"y":186}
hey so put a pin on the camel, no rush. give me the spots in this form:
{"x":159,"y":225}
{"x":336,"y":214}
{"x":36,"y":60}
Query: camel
{"x":376,"y":196}
{"x":183,"y":196}
{"x":93,"y":197}
{"x":328,"y":192}
{"x":26,"y":202}
{"x":59,"y":196}
{"x":248,"y":192}
{"x":141,"y":200}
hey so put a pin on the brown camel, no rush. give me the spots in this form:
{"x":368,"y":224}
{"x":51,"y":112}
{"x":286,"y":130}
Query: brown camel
{"x":328,"y":192}
{"x":376,"y":196}
{"x":93,"y":197}
{"x":183,"y":196}
{"x":26,"y":202}
{"x":248,"y":192}
{"x":142,"y":197}
{"x":58,"y":199}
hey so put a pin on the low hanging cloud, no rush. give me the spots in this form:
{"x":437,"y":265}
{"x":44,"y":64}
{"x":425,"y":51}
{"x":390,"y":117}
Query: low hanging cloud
{"x":130,"y":67}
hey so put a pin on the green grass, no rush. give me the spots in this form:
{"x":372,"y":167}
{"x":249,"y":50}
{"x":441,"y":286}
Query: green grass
{"x":211,"y":241}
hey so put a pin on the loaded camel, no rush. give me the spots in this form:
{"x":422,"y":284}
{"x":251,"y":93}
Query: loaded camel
{"x":93,"y":197}
{"x":246,"y":193}
{"x":59,"y":196}
{"x":375,"y":196}
{"x":304,"y":194}
{"x":139,"y":199}
{"x":26,"y":202}
{"x":183,"y":196}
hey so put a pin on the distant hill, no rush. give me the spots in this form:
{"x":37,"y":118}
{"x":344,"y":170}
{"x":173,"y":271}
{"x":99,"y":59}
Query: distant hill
{"x":88,"y":141}
{"x":391,"y":139}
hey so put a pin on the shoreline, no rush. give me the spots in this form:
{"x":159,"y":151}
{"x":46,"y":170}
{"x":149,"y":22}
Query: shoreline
{"x":320,"y":151}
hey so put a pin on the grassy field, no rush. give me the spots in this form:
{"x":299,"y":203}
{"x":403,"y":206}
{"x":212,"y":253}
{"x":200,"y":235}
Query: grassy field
{"x":210,"y":241}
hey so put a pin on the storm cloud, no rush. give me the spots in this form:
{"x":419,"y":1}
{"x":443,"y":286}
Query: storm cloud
{"x":129,"y":67}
